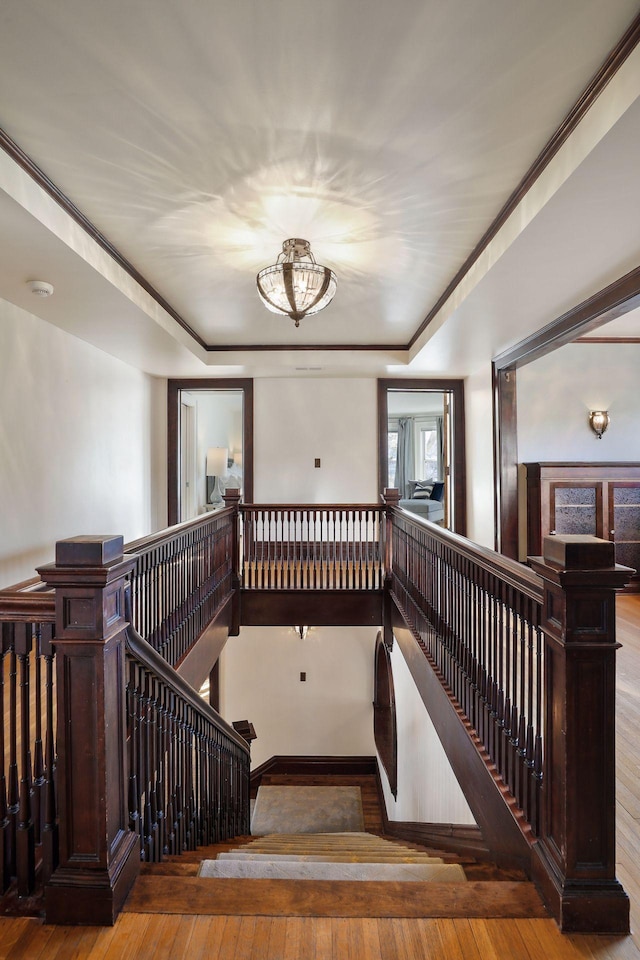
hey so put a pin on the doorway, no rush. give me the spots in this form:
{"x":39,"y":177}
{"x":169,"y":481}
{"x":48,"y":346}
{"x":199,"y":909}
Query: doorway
{"x":421,"y":447}
{"x":209,"y":421}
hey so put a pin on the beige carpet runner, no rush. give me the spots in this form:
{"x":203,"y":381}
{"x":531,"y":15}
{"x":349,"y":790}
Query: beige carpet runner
{"x":336,"y":856}
{"x":299,"y":809}
{"x":316,"y":833}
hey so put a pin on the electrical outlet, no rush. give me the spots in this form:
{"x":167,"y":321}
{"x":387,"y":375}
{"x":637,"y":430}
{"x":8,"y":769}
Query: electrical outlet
{"x":303,"y":677}
{"x":317,"y":461}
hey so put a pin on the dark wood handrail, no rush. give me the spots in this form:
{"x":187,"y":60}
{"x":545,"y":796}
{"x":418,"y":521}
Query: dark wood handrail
{"x":142,"y":651}
{"x":169,"y":533}
{"x":515,"y":574}
{"x":249,"y":507}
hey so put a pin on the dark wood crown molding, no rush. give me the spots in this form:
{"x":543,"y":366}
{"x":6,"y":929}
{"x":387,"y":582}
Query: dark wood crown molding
{"x":607,"y":71}
{"x":607,"y":304}
{"x":36,"y":173}
{"x":625,"y":46}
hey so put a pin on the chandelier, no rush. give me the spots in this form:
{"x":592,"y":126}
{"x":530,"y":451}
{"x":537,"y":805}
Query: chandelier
{"x":295,"y":285}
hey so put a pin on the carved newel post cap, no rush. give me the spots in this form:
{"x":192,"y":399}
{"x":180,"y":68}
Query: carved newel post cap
{"x":391,"y":495}
{"x":89,"y":551}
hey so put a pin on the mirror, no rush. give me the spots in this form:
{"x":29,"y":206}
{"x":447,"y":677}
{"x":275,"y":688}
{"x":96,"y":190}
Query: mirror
{"x":421,"y":447}
{"x":210,"y":444}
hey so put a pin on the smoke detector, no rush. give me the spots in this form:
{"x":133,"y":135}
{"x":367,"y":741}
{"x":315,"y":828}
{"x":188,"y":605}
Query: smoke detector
{"x":40,"y":288}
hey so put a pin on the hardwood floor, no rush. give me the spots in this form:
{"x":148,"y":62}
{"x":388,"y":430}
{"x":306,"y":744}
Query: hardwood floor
{"x":176,"y":936}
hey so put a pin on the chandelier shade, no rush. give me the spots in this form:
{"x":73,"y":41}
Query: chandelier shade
{"x":296,"y":286}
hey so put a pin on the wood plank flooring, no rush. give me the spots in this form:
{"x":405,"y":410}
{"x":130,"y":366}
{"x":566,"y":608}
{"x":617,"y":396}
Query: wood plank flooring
{"x":189,"y":937}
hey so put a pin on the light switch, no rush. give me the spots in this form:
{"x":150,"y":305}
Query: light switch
{"x":317,"y":461}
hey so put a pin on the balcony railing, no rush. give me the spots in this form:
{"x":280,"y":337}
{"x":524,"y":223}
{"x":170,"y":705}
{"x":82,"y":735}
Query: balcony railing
{"x":312,"y":547}
{"x":117,"y":757}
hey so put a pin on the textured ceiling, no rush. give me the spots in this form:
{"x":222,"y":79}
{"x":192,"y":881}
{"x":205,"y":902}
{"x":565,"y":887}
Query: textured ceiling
{"x":198,"y":136}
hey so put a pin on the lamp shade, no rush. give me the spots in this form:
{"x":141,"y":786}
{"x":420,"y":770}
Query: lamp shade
{"x":217,"y":461}
{"x":296,"y":286}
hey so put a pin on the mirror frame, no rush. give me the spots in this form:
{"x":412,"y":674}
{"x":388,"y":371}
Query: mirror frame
{"x":174,"y":388}
{"x":456,"y":389}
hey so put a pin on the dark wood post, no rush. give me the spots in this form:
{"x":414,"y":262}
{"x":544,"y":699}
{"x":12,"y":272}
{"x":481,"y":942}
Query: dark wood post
{"x":391,"y":497}
{"x":574,"y":857}
{"x":99,"y":855}
{"x":232,"y":499}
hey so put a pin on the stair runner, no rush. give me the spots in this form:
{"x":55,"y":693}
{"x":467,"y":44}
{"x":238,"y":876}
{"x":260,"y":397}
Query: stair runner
{"x":330,"y":856}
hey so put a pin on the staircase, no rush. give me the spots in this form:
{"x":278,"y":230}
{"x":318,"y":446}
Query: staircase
{"x":331,"y":856}
{"x":338,"y":874}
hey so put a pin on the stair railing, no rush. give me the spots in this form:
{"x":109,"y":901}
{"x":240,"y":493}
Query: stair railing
{"x":527,"y":659}
{"x":312,"y":546}
{"x":126,"y":728}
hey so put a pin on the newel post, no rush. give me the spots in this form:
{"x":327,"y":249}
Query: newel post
{"x":391,"y":498}
{"x":232,"y":499}
{"x":574,"y":857}
{"x":99,"y":855}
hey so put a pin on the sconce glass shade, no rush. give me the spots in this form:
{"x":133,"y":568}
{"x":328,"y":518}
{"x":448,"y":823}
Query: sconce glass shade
{"x":296,"y":286}
{"x":599,"y":420}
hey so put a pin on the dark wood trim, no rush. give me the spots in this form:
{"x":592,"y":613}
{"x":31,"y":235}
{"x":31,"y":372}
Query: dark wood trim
{"x":303,"y":347}
{"x":607,"y":304}
{"x":458,"y":458}
{"x":173,"y":433}
{"x":505,"y":453}
{"x":616,"y":58}
{"x":611,"y":302}
{"x":591,"y":340}
{"x":316,"y":608}
{"x":505,"y":832}
{"x":36,"y":173}
{"x":385,"y":728}
{"x":459,"y":838}
{"x":313,"y":766}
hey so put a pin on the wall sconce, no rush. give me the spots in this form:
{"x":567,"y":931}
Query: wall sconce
{"x":216,"y":467}
{"x":599,"y":420}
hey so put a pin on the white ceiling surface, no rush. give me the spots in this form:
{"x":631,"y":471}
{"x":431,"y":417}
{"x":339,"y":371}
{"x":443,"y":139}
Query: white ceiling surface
{"x":197,"y":137}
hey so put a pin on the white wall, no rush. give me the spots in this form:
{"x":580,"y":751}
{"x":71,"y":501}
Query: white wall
{"x":478,"y":406}
{"x":297,"y":420}
{"x":330,"y":714}
{"x":428,"y":791}
{"x":82,"y":444}
{"x":556,"y":393}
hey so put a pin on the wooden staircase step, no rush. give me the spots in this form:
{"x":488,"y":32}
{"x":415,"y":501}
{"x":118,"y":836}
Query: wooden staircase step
{"x":327,"y":898}
{"x":332,"y":870}
{"x":356,"y":857}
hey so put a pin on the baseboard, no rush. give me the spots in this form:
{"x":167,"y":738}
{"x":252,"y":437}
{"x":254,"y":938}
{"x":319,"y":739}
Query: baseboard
{"x":459,"y":838}
{"x":320,"y":766}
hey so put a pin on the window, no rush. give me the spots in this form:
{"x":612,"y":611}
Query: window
{"x":392,"y":442}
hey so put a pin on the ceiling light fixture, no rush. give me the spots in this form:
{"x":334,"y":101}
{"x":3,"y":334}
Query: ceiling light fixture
{"x":295,"y":285}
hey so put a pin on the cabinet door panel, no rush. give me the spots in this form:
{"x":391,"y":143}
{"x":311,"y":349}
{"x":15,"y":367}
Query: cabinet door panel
{"x":576,"y":508}
{"x":624,"y":518}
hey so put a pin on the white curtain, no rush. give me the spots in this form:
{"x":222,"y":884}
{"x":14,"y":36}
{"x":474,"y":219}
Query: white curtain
{"x":405,"y":464}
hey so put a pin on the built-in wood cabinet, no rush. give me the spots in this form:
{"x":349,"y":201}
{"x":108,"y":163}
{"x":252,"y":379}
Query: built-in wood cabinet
{"x":601,"y":499}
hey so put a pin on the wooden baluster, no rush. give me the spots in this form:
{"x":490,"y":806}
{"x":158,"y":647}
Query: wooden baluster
{"x":133,"y":751}
{"x":13,"y":793}
{"x":50,"y":835}
{"x":38,"y":746}
{"x":5,"y":833}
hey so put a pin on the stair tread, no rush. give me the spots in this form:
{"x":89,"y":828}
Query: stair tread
{"x":277,"y":870}
{"x":330,"y":856}
{"x":325,"y":898}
